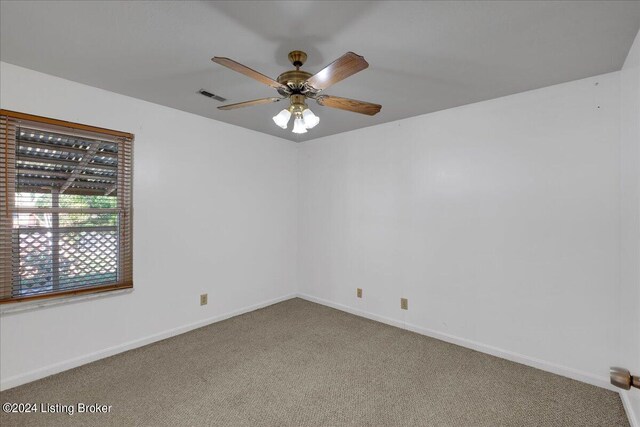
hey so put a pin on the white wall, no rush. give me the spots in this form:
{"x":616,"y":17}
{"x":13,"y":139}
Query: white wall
{"x":499,"y":221}
{"x":629,"y":355}
{"x":232,"y":193}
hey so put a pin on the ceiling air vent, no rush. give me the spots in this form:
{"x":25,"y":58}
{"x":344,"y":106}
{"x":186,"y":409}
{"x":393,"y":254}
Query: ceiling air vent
{"x":211,"y":95}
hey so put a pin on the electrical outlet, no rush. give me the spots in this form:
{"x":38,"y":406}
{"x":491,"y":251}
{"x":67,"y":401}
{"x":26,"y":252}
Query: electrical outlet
{"x":404,"y":303}
{"x":204,"y":298}
{"x":359,"y":293}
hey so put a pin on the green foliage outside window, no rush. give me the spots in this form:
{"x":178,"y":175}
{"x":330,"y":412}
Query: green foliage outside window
{"x":44,"y":200}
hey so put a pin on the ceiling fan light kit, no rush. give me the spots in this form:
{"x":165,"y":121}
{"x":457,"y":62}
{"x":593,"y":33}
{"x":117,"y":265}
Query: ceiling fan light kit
{"x":303,"y":116}
{"x":298,"y":86}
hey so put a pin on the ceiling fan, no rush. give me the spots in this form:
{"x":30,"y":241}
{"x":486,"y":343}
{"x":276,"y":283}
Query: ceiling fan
{"x":298,"y":86}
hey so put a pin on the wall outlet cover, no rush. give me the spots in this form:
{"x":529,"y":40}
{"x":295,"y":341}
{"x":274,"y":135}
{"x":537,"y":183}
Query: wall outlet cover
{"x":404,"y":303}
{"x":204,"y":299}
{"x":359,"y":292}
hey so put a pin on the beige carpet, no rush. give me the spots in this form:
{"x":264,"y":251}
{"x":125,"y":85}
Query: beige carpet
{"x":301,"y":364}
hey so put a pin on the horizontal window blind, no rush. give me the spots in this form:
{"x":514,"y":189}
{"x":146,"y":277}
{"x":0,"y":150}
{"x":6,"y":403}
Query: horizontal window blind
{"x":66,"y":208}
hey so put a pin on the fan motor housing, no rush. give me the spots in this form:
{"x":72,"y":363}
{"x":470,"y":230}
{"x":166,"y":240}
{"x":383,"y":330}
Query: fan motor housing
{"x":294,"y":78}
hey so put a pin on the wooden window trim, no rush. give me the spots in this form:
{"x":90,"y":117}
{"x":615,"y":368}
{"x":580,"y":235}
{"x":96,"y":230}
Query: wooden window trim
{"x":63,"y":123}
{"x":74,"y":292}
{"x":125,"y":172}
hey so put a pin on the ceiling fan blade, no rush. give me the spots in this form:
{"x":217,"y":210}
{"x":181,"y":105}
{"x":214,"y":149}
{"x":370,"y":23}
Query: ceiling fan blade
{"x":343,"y":67}
{"x":236,"y":66}
{"x":249,"y":103}
{"x":349,"y":104}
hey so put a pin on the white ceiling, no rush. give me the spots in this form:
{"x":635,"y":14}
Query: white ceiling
{"x":423,"y":56}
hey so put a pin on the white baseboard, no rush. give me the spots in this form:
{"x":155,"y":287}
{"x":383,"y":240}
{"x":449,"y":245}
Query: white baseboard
{"x":634,"y":418}
{"x":14,"y":381}
{"x":474,"y":345}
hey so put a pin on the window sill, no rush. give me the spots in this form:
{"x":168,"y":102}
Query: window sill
{"x":27,"y":305}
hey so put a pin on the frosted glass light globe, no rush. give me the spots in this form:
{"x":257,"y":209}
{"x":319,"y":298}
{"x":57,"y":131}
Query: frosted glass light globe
{"x":282,"y":119}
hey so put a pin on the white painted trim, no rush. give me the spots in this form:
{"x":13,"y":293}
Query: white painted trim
{"x":634,"y":419}
{"x":37,"y":374}
{"x":474,"y":345}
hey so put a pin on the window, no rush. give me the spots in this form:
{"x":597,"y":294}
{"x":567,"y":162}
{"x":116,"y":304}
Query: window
{"x":65,"y":208}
